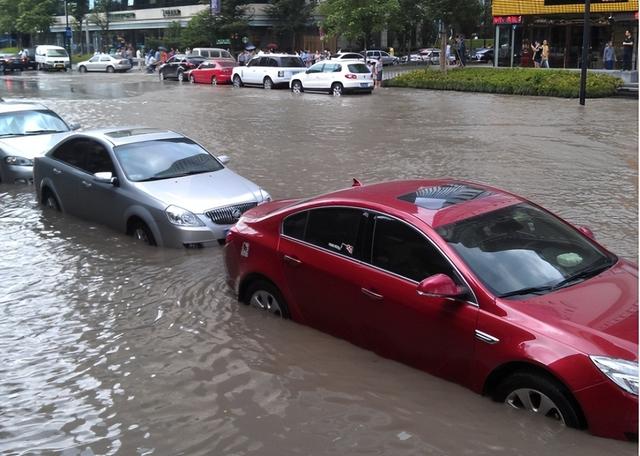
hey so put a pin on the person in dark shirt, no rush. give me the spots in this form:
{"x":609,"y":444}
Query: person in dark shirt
{"x":627,"y":50}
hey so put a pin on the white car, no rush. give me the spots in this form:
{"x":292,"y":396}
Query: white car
{"x":268,"y":70}
{"x":27,"y":130}
{"x":347,"y":56}
{"x":104,"y":62}
{"x":52,"y":58}
{"x":335,"y":77}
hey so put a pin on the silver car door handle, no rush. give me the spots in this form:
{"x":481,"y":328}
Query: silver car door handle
{"x":291,"y":260}
{"x":86,"y":184}
{"x":371,"y":295}
{"x":56,"y":171}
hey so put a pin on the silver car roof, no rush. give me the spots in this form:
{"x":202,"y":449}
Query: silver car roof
{"x":10,"y":106}
{"x":128,"y":135}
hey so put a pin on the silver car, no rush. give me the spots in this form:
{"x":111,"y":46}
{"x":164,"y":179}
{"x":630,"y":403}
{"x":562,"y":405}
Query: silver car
{"x":27,"y":130}
{"x":104,"y":62}
{"x":157,"y":185}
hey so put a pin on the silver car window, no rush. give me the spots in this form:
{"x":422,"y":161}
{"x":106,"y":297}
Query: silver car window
{"x":164,"y":159}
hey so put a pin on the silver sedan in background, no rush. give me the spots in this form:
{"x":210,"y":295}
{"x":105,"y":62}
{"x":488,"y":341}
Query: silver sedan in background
{"x":157,"y":185}
{"x":104,"y":62}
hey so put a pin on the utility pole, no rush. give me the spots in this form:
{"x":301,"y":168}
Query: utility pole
{"x":586,"y":35}
{"x":67,"y":32}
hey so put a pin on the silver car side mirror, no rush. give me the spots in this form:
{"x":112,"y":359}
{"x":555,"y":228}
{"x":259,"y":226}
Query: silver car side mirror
{"x":74,"y":126}
{"x":106,"y":177}
{"x":224,"y":159}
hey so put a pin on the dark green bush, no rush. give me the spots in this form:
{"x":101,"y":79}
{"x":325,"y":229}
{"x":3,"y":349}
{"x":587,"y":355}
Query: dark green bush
{"x":518,"y":81}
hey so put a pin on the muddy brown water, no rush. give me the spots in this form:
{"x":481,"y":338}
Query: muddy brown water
{"x":110,"y":347}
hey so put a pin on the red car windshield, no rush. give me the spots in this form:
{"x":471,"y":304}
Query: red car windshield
{"x":521,"y":250}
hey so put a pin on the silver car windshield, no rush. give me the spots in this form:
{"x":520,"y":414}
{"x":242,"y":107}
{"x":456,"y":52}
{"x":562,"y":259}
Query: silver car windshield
{"x":23,"y":123}
{"x":521,"y":250}
{"x":164,"y":159}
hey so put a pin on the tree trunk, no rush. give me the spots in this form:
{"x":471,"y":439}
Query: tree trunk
{"x":443,"y":46}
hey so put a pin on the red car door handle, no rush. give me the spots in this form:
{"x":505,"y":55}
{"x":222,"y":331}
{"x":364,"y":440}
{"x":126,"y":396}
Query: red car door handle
{"x":291,"y":260}
{"x":371,"y":294}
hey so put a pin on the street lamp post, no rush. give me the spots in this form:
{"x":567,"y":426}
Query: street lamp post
{"x":67,"y":32}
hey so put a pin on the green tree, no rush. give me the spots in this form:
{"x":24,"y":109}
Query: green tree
{"x":357,"y":20}
{"x":289,"y":18}
{"x":100,"y":17}
{"x":9,"y":16}
{"x":205,"y":28}
{"x":78,"y":10}
{"x":35,"y":16}
{"x":173,"y":35}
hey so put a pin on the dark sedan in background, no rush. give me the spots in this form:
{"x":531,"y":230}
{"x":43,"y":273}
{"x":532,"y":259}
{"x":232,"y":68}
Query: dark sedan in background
{"x":11,"y":62}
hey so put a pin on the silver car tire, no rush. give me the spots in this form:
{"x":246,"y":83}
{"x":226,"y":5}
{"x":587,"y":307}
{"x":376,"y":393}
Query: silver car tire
{"x":111,"y":69}
{"x":141,"y":232}
{"x":180,"y":76}
{"x":237,"y":82}
{"x":214,"y":81}
{"x":82,"y":69}
{"x":161,"y":75}
{"x":337,"y":89}
{"x":296,"y":87}
{"x":267,"y":84}
{"x":263,"y":295}
{"x":539,"y":394}
{"x":192,"y":79}
{"x":50,"y":202}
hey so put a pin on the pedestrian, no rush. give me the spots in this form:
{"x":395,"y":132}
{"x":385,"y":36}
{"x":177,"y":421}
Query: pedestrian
{"x":139,"y":59}
{"x":609,"y":56}
{"x":537,"y":53}
{"x":378,"y":68}
{"x":544,"y":55}
{"x":372,"y":68}
{"x":627,"y":51}
{"x":462,"y":52}
{"x":242,"y":58}
{"x":447,"y":54}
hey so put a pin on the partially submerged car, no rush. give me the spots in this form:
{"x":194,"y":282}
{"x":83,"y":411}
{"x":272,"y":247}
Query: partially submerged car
{"x":157,"y":185}
{"x":465,"y":281}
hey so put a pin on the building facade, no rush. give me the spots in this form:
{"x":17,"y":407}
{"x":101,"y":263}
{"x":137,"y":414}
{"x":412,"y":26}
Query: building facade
{"x":135,"y":21}
{"x":518,"y":23}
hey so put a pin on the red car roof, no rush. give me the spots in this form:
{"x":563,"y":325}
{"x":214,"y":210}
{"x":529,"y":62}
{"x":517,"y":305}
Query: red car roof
{"x":436,"y":202}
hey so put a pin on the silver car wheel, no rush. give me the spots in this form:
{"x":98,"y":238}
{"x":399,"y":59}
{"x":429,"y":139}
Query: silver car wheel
{"x":180,"y":76}
{"x":82,"y":69}
{"x":110,"y":69}
{"x":264,"y":300}
{"x":161,"y":75}
{"x":237,"y":82}
{"x":214,"y":81}
{"x":139,"y":234}
{"x":336,"y":89}
{"x":267,"y":83}
{"x":534,"y":401}
{"x":296,"y":87}
{"x":192,"y":80}
{"x":51,"y":203}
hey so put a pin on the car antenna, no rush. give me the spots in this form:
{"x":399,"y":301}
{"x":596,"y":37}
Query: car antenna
{"x":356,"y":183}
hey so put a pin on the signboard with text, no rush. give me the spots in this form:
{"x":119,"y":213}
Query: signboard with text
{"x":579,"y":2}
{"x":499,"y":20}
{"x":542,"y":7}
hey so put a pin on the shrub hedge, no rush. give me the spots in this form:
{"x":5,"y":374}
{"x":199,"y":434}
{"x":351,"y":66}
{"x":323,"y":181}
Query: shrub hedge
{"x":518,"y":81}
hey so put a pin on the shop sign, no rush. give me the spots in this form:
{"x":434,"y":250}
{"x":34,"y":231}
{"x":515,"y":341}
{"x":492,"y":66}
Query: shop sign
{"x":223,"y":41}
{"x":500,"y":20}
{"x":579,"y":2}
{"x":174,"y":12}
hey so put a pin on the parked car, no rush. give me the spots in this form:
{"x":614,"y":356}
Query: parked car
{"x":462,"y":280}
{"x":104,"y":62}
{"x":178,"y":65}
{"x":483,"y":55}
{"x":213,"y":53}
{"x":52,"y":58}
{"x":10,"y":62}
{"x":387,"y":59}
{"x":347,"y":56}
{"x":335,"y":77}
{"x":432,"y":56}
{"x":413,"y":57}
{"x":157,"y":185}
{"x":27,"y":130}
{"x":212,"y":72}
{"x":268,"y":70}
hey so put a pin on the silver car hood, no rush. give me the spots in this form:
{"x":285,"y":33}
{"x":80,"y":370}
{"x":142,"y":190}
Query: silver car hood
{"x":200,"y":192}
{"x":30,"y":146}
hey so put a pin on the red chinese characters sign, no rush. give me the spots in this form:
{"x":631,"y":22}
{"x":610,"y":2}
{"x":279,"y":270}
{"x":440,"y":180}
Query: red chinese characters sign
{"x":499,"y":20}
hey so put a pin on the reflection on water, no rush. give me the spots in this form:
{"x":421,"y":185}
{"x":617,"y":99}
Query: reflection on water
{"x":110,"y":347}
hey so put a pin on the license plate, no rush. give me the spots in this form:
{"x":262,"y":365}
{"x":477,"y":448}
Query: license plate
{"x":59,"y":65}
{"x":364,"y":84}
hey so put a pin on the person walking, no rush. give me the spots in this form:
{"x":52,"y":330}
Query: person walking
{"x":544,"y":55}
{"x":537,"y":53}
{"x":378,"y":67}
{"x":462,"y":52}
{"x":609,"y":56}
{"x":627,"y":51}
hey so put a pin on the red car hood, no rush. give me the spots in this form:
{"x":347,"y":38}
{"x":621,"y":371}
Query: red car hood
{"x":597,"y":317}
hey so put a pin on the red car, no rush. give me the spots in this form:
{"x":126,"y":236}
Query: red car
{"x":212,"y":72}
{"x":462,"y":280}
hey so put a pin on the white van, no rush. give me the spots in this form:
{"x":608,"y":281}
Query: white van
{"x":52,"y":58}
{"x":213,"y":53}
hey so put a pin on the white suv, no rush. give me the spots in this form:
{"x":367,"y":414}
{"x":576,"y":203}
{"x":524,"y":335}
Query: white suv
{"x":334,"y":76}
{"x":268,"y":70}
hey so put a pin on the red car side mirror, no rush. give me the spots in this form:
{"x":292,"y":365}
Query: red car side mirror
{"x":587,"y":232}
{"x":439,"y":286}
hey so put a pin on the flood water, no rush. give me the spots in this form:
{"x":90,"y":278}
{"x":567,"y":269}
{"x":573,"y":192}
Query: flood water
{"x":111,"y":347}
